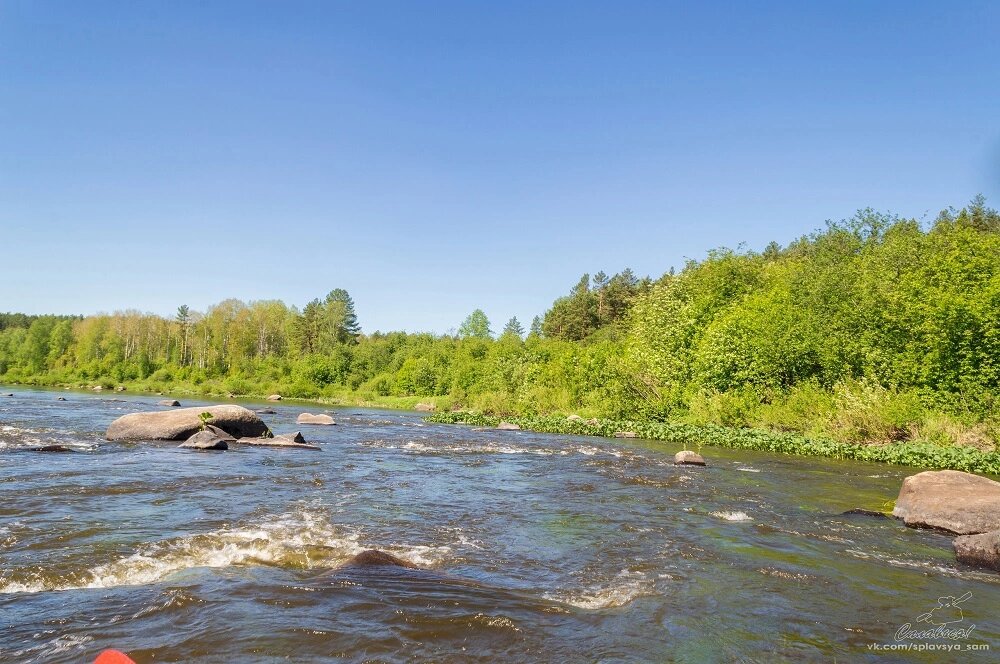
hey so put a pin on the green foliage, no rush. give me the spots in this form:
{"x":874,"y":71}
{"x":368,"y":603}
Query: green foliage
{"x":475,"y":326}
{"x":921,"y":455}
{"x":873,"y":330}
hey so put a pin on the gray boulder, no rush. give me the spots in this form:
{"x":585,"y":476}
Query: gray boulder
{"x":508,"y":426}
{"x":951,"y":500}
{"x":982,"y":550}
{"x":309,"y":418}
{"x":688,"y":458}
{"x":274,"y":397}
{"x":424,"y":407}
{"x":169,"y":402}
{"x":206,"y":440}
{"x":182,"y":423}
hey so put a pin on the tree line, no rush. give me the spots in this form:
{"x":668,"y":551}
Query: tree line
{"x":876,"y":328}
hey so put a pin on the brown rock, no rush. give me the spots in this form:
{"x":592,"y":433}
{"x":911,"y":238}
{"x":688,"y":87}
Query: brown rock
{"x":688,"y":458}
{"x":508,"y":426}
{"x":182,"y":423}
{"x":982,"y":550}
{"x":274,"y":397}
{"x":309,"y":418}
{"x":950,"y":500}
{"x":424,"y":407}
{"x":376,"y":558}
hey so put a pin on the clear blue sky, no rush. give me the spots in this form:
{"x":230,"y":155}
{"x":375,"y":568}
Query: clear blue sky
{"x":435,"y":157}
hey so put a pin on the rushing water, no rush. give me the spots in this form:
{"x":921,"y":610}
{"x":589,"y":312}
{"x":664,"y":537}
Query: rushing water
{"x":538,"y":548}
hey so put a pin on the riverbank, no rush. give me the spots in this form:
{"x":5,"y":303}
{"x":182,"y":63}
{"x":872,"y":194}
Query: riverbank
{"x":921,"y":455}
{"x":905,"y":453}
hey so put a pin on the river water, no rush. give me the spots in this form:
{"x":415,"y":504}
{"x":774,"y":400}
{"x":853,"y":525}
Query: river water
{"x":536,"y":548}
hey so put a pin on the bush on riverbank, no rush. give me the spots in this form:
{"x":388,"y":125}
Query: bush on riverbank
{"x":923,"y":455}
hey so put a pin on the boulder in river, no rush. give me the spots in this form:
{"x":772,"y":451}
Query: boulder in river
{"x":182,"y":423}
{"x":266,"y":411}
{"x":8,"y":394}
{"x":294,"y":440}
{"x":376,"y":558}
{"x":309,"y":418}
{"x":688,"y":458}
{"x":274,"y":397}
{"x":981,"y":550}
{"x":508,"y":426}
{"x":60,"y":398}
{"x":951,"y":500}
{"x":173,"y":403}
{"x":205,"y":440}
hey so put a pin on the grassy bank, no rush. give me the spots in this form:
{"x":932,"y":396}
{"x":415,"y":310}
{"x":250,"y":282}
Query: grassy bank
{"x":921,"y":455}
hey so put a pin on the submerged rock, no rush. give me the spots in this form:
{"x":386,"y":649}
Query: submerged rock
{"x":182,"y":423}
{"x":508,"y":426}
{"x":60,"y":398}
{"x":266,"y":411}
{"x":951,"y":500}
{"x":47,"y":448}
{"x":169,"y":402}
{"x":309,"y":418}
{"x":8,"y":394}
{"x":376,"y":558}
{"x":206,"y":440}
{"x":688,"y":458}
{"x":860,"y":511}
{"x":982,"y":550}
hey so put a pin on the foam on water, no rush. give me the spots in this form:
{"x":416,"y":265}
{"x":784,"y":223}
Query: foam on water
{"x":732,"y":516}
{"x":623,"y":589}
{"x":302,"y":539}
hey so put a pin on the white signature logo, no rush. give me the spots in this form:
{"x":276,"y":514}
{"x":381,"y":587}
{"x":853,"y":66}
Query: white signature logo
{"x":943,"y":621}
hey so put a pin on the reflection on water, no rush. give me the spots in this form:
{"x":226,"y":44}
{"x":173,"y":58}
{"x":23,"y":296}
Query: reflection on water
{"x":533,"y":547}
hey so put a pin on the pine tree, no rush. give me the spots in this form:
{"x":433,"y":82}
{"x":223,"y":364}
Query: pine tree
{"x":513,"y":328}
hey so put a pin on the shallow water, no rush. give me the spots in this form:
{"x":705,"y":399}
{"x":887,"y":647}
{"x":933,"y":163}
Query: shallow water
{"x":539,"y":547}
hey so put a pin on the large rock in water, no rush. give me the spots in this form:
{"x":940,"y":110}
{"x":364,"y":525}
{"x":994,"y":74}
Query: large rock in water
{"x":982,"y":550}
{"x":688,"y":458}
{"x":309,"y":418}
{"x":950,"y":500}
{"x":182,"y":423}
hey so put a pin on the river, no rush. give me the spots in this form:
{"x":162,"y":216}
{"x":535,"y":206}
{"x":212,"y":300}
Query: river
{"x":537,"y":547}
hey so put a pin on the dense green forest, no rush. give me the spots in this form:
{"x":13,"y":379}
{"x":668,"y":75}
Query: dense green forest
{"x":875,"y":329}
